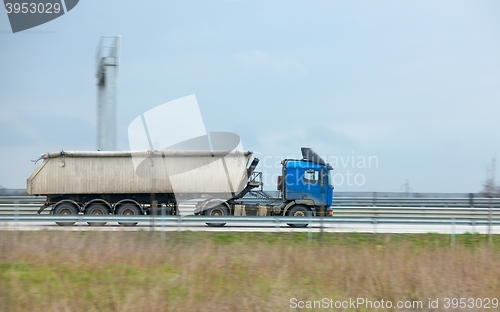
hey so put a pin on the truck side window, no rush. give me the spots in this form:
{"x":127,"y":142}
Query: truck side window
{"x":311,"y":177}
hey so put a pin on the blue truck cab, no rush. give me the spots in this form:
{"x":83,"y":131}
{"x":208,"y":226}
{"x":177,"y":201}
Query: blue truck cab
{"x":306,"y":185}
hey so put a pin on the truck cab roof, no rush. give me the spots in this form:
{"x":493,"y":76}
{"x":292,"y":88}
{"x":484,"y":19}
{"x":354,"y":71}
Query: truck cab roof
{"x":293,"y":163}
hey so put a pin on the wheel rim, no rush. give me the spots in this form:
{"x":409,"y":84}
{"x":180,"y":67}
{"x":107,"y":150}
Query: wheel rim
{"x":216,"y":213}
{"x":299,"y":214}
{"x":128,"y":212}
{"x":65,"y":211}
{"x":97,"y":212}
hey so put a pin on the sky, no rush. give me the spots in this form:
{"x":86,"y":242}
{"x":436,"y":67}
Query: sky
{"x":390,"y":92}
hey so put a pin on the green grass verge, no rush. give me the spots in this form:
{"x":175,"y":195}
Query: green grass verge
{"x":229,"y":271}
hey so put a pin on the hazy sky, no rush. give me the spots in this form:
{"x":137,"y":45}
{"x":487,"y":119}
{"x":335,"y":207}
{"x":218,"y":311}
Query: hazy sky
{"x":406,"y":89}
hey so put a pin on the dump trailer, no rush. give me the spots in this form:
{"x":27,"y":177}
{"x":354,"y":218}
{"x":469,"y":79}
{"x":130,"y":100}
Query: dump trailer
{"x":147,"y":182}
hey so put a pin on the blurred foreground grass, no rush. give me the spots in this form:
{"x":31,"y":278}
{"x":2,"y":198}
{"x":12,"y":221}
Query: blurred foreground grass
{"x":225,"y":271}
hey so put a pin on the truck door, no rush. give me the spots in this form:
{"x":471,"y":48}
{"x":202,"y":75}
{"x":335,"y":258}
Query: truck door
{"x":314,"y":186}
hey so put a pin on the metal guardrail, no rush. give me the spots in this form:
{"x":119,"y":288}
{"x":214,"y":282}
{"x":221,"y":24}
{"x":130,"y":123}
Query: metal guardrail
{"x":31,"y":204}
{"x":342,"y":207}
{"x":402,"y":218}
{"x":20,"y":204}
{"x":423,"y":202}
{"x":31,"y":199}
{"x":232,"y":219}
{"x":19,"y":210}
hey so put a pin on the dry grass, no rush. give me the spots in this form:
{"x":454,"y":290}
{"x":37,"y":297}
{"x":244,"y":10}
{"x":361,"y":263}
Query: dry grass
{"x":137,"y":271}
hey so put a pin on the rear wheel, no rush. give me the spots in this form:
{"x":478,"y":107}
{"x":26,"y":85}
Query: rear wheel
{"x":128,"y":210}
{"x":97,"y":210}
{"x":217,"y":211}
{"x":65,"y":209}
{"x":298,"y":211}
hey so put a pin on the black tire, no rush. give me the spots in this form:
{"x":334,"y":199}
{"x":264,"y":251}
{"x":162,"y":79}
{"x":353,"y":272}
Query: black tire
{"x":217,"y":211}
{"x":65,"y":209}
{"x":97,"y":209}
{"x":298,"y":211}
{"x":128,"y":210}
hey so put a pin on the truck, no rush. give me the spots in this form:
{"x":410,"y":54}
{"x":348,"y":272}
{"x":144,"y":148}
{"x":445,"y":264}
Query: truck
{"x":156,"y":181}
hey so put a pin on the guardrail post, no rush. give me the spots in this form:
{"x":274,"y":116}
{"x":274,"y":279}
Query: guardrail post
{"x":154,"y":211}
{"x":277,"y":224}
{"x":473,"y":226}
{"x":179,"y":223}
{"x":322,"y":215}
{"x":16,"y":214}
{"x":309,"y":234}
{"x":490,"y":216}
{"x":452,"y":232}
{"x":374,"y":220}
{"x":163,"y":214}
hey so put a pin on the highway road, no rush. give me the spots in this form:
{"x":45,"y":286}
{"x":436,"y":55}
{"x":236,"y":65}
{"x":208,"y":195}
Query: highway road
{"x":256,"y":227}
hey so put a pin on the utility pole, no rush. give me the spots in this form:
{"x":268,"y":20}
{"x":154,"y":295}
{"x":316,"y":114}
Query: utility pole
{"x":107,"y":71}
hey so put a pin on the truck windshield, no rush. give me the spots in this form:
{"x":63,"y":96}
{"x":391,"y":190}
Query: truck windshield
{"x":330,"y":181}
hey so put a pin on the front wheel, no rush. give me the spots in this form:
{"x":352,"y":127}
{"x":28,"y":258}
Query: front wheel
{"x":128,"y":210}
{"x":65,"y":209}
{"x":298,"y":211}
{"x":217,"y":211}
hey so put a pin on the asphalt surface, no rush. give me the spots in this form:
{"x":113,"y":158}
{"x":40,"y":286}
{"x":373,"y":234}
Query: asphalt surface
{"x":252,"y":227}
{"x":339,"y":227}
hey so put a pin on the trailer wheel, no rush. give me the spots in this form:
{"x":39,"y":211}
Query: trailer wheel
{"x":64,"y":209}
{"x":298,"y":211}
{"x":128,"y":210}
{"x":97,"y":210}
{"x":217,"y":211}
